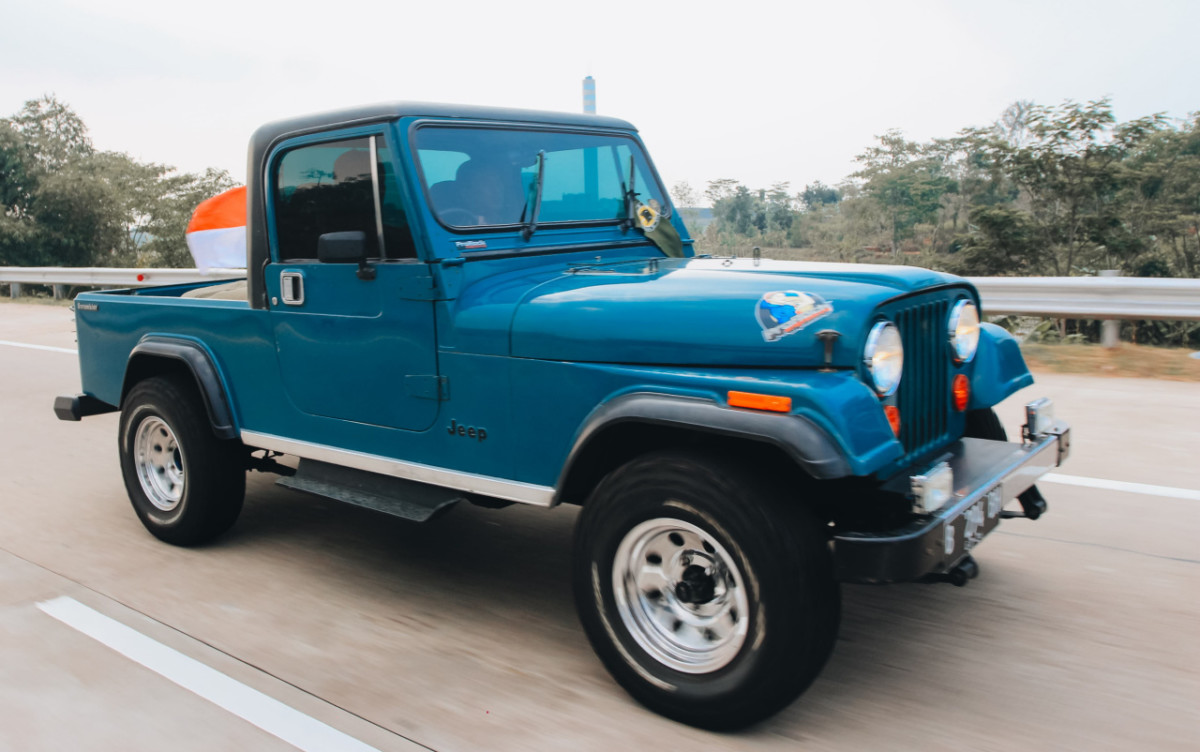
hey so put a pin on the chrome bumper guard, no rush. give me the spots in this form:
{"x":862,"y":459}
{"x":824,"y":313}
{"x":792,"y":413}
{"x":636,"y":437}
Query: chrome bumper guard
{"x":987,"y":476}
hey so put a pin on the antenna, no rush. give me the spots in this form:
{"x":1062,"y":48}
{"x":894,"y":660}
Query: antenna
{"x":589,"y":96}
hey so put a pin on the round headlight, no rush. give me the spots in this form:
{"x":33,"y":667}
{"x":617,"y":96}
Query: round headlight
{"x":963,"y":327}
{"x":884,"y":357}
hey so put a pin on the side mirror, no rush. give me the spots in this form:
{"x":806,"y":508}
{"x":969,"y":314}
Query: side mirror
{"x":342,"y":247}
{"x":345,"y":248}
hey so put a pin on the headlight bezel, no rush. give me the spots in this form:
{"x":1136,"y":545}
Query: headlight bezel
{"x":963,"y":345}
{"x":879,"y":348}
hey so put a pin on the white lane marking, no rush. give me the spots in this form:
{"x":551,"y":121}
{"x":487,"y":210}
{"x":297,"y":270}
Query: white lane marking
{"x":1120,"y":485}
{"x":269,"y":714}
{"x":48,"y":348}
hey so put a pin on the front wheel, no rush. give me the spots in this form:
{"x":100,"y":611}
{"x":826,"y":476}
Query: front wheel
{"x":707,"y":596}
{"x":186,"y":485}
{"x":985,"y":424}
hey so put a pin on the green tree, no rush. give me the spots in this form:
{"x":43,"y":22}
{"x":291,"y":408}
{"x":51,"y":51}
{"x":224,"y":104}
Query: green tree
{"x":1164,"y":201}
{"x":170,"y":212}
{"x":1003,"y":244}
{"x":1070,"y":175}
{"x":818,"y":194}
{"x":63,"y":203}
{"x":18,"y":244}
{"x":905,"y":178}
{"x":54,"y":135}
{"x":780,"y":207}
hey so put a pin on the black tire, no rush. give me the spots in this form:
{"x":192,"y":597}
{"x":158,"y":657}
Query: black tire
{"x":779,"y":553}
{"x":985,"y":424}
{"x":187,"y":485}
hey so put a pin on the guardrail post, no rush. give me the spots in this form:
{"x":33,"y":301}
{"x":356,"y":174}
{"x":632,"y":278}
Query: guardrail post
{"x":14,"y":289}
{"x":1110,"y":329}
{"x":60,"y":292}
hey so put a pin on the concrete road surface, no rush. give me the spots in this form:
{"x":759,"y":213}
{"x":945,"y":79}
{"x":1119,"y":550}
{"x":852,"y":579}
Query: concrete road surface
{"x":1082,"y":631}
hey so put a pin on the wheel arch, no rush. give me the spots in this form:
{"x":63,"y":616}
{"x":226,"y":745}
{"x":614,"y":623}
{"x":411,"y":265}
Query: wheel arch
{"x":634,"y":424}
{"x":187,"y":359}
{"x":1000,"y":368}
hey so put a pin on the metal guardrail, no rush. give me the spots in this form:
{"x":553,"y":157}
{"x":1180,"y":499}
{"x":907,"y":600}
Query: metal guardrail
{"x":1063,"y":297}
{"x":102,"y":276}
{"x":1137,"y":298}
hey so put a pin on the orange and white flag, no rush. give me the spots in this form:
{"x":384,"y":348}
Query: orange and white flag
{"x":216,"y":236}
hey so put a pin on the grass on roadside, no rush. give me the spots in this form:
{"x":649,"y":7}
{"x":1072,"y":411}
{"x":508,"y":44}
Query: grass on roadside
{"x":1128,"y":360}
{"x":37,"y":300}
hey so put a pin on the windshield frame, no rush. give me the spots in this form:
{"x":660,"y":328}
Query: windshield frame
{"x":637,"y":148}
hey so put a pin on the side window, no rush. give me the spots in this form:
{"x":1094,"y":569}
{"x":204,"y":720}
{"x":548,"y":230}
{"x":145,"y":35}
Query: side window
{"x":397,"y":237}
{"x":328,"y":187}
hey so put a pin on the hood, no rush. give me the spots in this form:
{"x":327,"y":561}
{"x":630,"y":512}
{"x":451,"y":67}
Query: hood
{"x":712,"y":312}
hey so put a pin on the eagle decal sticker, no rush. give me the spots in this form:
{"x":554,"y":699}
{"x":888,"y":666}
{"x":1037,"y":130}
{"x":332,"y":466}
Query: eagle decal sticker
{"x":788,"y":311}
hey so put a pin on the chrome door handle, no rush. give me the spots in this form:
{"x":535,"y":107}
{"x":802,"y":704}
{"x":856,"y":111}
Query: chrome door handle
{"x":291,"y":288}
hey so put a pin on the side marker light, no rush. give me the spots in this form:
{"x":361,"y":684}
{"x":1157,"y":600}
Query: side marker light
{"x":962,"y":392}
{"x":893,"y":415}
{"x":755,"y":401}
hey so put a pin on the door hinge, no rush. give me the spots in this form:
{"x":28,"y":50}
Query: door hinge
{"x":420,"y":287}
{"x":428,"y":387}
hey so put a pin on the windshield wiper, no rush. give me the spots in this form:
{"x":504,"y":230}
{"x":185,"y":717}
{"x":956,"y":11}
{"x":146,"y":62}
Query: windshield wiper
{"x":531,"y":225}
{"x":630,"y":198}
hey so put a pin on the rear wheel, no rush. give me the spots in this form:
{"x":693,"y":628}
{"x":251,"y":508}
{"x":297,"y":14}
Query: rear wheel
{"x":708,"y":597}
{"x":185,"y":484}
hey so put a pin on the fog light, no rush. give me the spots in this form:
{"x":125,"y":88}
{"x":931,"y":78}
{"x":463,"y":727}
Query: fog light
{"x":934,"y":489}
{"x":1039,"y":417}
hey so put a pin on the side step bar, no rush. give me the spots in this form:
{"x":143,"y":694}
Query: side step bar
{"x":383,"y":493}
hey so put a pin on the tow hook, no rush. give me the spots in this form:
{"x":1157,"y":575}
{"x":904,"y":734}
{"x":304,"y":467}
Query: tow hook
{"x":963,"y":572}
{"x":1033,"y":505}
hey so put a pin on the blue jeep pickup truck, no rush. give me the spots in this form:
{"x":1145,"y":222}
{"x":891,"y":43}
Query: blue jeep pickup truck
{"x":450,"y":303}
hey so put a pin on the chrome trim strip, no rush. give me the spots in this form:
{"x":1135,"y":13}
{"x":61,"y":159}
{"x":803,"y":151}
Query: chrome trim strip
{"x":509,"y":490}
{"x":375,"y":191}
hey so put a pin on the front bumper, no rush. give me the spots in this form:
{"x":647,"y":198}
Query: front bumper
{"x":987,"y":476}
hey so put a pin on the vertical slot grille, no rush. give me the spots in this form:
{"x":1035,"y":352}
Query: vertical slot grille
{"x":924,"y":394}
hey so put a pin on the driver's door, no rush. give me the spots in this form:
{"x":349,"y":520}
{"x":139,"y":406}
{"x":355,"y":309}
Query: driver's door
{"x":350,"y":347}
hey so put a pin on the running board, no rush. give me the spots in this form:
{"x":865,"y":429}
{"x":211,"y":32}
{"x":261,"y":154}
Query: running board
{"x":395,"y":496}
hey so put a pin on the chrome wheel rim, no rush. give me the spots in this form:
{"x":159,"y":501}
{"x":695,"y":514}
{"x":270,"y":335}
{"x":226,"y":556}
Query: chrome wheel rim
{"x":680,"y":595}
{"x":159,"y":463}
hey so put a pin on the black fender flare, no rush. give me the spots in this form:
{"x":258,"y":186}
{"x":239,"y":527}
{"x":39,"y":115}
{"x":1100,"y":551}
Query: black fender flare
{"x":199,"y":362}
{"x":801,"y":439}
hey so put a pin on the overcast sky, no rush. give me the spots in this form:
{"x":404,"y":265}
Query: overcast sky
{"x":757,"y":91}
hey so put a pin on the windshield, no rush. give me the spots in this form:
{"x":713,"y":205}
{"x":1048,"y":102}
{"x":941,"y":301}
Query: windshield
{"x":484,"y":177}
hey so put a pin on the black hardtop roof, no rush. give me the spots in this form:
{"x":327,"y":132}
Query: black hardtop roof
{"x":267,"y":134}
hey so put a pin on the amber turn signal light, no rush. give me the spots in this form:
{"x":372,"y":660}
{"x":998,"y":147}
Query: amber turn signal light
{"x":754,"y":401}
{"x":893,"y":415}
{"x":962,"y":392}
